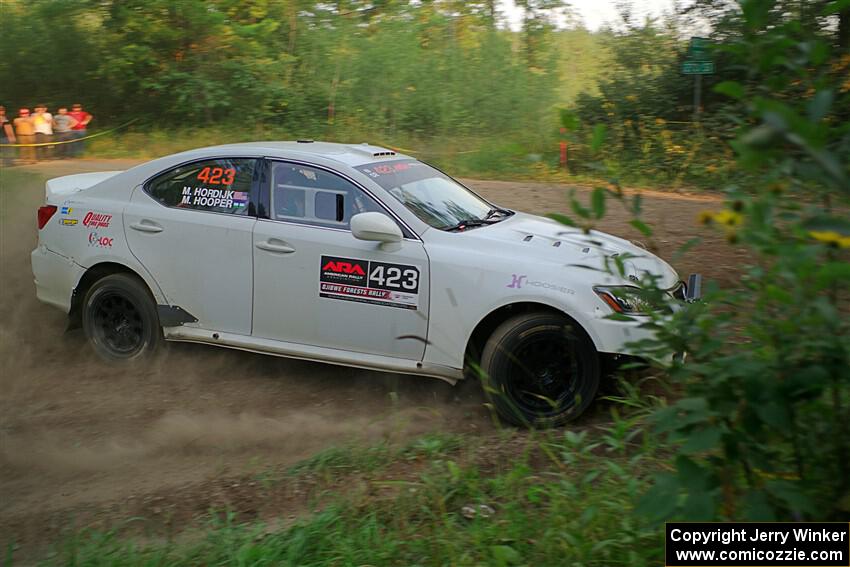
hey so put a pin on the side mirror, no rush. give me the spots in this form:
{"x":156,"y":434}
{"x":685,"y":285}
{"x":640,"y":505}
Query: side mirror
{"x":374,"y":226}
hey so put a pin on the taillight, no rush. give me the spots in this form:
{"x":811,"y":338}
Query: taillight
{"x":44,"y":215}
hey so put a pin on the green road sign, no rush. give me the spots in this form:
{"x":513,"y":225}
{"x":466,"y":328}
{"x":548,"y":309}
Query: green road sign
{"x":698,"y":49}
{"x":690,"y":67}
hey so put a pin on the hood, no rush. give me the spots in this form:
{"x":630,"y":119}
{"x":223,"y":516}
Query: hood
{"x":544,"y":240}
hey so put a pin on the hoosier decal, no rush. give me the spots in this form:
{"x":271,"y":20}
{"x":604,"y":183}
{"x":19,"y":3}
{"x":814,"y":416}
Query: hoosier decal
{"x":378,"y":283}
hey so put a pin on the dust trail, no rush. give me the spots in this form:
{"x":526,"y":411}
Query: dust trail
{"x":79,"y":436}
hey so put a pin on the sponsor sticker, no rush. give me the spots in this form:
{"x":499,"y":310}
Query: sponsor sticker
{"x":205,"y":197}
{"x":518,"y":281}
{"x":67,"y":210}
{"x":364,"y":281}
{"x":97,"y":220}
{"x":68,"y":222}
{"x":97,"y":240}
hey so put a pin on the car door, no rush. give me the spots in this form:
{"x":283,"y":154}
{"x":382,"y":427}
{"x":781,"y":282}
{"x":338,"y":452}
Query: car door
{"x":191,"y":227}
{"x":315,"y":284}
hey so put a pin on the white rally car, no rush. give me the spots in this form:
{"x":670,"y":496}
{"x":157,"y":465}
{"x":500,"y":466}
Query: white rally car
{"x":346,"y":254}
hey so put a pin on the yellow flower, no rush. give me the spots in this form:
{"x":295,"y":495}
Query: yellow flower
{"x":831,"y":238}
{"x":729,"y":218}
{"x":631,"y":98}
{"x":660,"y":121}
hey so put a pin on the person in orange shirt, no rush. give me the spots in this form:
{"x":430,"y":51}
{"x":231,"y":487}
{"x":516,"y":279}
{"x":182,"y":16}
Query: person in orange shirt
{"x":25,"y":132}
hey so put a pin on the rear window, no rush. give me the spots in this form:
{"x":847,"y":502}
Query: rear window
{"x":219,"y":185}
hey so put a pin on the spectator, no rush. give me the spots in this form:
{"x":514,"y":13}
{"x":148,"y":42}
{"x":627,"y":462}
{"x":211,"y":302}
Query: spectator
{"x":79,"y":131}
{"x":43,"y":124}
{"x":7,"y":136}
{"x":62,"y":125}
{"x":25,"y":133}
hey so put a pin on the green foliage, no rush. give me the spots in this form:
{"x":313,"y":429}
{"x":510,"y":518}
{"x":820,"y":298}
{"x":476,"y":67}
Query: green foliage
{"x":424,"y":69}
{"x":762,"y":430}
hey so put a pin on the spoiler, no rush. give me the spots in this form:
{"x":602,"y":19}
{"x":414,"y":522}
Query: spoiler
{"x":62,"y":186}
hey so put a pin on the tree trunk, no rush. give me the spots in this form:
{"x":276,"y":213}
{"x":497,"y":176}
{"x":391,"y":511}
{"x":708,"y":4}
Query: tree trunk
{"x":844,"y":29}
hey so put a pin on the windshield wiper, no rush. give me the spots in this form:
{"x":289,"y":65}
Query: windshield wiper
{"x":467,"y":223}
{"x":497,"y":211}
{"x":490,"y":218}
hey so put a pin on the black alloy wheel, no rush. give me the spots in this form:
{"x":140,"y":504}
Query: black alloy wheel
{"x":120,"y":319}
{"x":540,"y":370}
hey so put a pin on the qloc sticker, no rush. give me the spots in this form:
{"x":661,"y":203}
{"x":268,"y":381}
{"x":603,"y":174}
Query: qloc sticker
{"x":99,"y":241}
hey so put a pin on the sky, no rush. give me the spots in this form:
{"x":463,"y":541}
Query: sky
{"x":595,"y":13}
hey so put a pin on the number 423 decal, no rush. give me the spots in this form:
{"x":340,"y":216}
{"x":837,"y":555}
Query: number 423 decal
{"x":217,"y":176}
{"x":393,"y":276}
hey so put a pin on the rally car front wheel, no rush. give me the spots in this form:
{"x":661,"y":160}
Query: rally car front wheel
{"x":120,"y":319}
{"x":540,"y":370}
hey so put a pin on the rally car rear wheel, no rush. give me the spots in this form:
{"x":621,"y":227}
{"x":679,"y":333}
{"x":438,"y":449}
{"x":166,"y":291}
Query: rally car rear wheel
{"x":540,"y":370}
{"x":119,"y":318}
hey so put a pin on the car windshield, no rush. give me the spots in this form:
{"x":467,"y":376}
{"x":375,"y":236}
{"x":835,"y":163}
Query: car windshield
{"x":431,"y":195}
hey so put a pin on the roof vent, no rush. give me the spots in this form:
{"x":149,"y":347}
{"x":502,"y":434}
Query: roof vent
{"x":305,"y":141}
{"x":372,"y":151}
{"x":528,"y":238}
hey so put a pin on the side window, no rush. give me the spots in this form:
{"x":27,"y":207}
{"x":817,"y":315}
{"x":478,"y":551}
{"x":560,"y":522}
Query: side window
{"x":219,"y":185}
{"x":309,"y":195}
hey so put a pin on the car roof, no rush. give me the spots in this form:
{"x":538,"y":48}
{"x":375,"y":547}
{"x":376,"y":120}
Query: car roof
{"x":350,"y":154}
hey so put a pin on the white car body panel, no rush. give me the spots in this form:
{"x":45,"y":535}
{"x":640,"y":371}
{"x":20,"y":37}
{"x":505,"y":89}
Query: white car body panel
{"x":217,"y":268}
{"x":201,"y":260}
{"x":287,"y":306}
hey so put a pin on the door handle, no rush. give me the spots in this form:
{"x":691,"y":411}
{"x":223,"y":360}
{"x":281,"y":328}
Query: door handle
{"x":146,"y":226}
{"x":270,"y":246}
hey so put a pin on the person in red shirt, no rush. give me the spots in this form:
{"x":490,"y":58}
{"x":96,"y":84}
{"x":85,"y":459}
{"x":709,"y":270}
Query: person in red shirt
{"x":79,"y":130}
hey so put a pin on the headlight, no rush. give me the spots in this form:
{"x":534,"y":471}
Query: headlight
{"x":630,"y":300}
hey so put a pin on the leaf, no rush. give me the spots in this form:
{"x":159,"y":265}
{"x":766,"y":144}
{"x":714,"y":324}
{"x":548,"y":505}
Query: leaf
{"x":637,"y":204}
{"x":563,"y":219}
{"x":820,"y":104}
{"x":598,"y":137}
{"x":569,"y":119}
{"x":835,"y":7}
{"x":700,"y":506}
{"x":790,"y":493}
{"x":578,"y":208}
{"x":641,"y":226}
{"x":757,"y":507}
{"x":702,"y":440}
{"x":730,"y":88}
{"x":660,"y":501}
{"x":505,"y":555}
{"x":827,"y":223}
{"x":597,"y":200}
